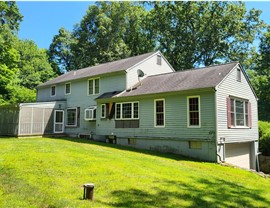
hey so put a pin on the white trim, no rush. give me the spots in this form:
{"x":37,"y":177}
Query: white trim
{"x":199,"y":103}
{"x":132,"y":111}
{"x":54,"y":122}
{"x":93,"y":109}
{"x":244,"y":109}
{"x":76,"y":115}
{"x":66,"y":88}
{"x":54,"y":90}
{"x":103,"y":105}
{"x":94,"y":83}
{"x":155,"y":115}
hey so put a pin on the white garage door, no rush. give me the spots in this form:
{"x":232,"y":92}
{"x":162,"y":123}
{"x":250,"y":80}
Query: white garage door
{"x":238,"y":154}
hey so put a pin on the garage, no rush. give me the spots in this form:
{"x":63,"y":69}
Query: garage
{"x":238,"y":154}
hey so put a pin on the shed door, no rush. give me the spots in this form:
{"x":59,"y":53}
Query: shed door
{"x":58,"y":121}
{"x":238,"y":154}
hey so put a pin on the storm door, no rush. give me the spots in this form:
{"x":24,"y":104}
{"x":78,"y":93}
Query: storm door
{"x":58,"y":121}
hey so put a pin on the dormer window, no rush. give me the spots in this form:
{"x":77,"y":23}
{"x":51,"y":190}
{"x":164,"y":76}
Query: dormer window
{"x":158,"y":59}
{"x":238,"y":78}
{"x":53,"y":91}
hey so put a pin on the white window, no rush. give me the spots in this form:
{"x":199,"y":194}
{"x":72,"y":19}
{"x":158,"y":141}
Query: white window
{"x":159,"y":113}
{"x":93,"y":86}
{"x":71,"y":117}
{"x":127,"y":111}
{"x":53,"y":90}
{"x":68,"y":88}
{"x":103,"y":111}
{"x":193,"y":111}
{"x":90,"y":113}
{"x":238,"y":113}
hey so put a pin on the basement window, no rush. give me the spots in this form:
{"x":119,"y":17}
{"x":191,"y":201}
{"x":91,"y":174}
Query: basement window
{"x":195,"y":145}
{"x":132,"y":141}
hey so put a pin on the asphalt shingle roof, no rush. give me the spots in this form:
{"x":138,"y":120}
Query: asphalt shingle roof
{"x":200,"y":78}
{"x":110,"y":67}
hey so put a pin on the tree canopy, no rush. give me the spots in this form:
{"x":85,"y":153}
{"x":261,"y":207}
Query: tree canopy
{"x":22,"y":64}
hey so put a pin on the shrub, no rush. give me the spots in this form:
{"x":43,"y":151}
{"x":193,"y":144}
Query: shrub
{"x":264,"y":134}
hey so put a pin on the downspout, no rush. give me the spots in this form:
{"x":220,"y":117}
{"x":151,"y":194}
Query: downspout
{"x":216,"y":118}
{"x":257,"y":161}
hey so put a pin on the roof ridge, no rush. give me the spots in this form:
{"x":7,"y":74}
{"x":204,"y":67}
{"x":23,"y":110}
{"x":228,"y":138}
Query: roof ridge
{"x":115,"y":61}
{"x":193,"y":69}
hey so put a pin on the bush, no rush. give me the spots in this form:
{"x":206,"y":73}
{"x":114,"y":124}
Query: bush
{"x":264,"y":134}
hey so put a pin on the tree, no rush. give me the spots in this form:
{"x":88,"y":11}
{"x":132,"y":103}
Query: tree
{"x":203,"y":33}
{"x":9,"y":59}
{"x":34,"y":65}
{"x":10,"y":15}
{"x":109,"y":31}
{"x":260,"y":76}
{"x":59,"y":52}
{"x":22,"y":65}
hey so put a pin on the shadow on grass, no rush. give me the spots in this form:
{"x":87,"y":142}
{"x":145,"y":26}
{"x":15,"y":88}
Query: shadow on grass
{"x":125,"y":148}
{"x":201,"y":193}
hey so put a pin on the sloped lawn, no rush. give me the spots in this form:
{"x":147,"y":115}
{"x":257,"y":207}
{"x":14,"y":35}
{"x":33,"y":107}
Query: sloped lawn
{"x":45,"y":172}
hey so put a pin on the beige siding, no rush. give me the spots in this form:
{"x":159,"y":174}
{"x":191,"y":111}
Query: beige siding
{"x":231,"y":87}
{"x":149,"y":67}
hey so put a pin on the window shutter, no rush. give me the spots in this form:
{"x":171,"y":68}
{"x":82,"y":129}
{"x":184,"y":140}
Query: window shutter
{"x":249,"y":115}
{"x":228,"y":112}
{"x":111,"y":110}
{"x":78,"y":116}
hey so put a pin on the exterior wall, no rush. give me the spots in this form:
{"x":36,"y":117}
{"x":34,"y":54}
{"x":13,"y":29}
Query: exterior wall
{"x":175,"y":146}
{"x":231,"y":87}
{"x":80,"y":99}
{"x":175,"y":130}
{"x":44,"y":94}
{"x":149,"y":67}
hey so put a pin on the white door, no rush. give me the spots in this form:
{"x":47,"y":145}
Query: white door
{"x":58,"y":121}
{"x":238,"y":154}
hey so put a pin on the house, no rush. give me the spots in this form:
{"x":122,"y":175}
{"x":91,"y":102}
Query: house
{"x":208,"y":113}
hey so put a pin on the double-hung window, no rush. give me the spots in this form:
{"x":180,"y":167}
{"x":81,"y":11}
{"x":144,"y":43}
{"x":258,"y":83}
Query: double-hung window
{"x":71,"y":117}
{"x":193,"y":104}
{"x":93,"y":86}
{"x":239,"y":112}
{"x":159,"y":113}
{"x":127,"y":111}
{"x":103,"y":111}
{"x":68,"y":88}
{"x":53,"y":90}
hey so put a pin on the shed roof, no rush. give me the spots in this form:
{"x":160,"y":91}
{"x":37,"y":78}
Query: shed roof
{"x":200,"y":78}
{"x":110,"y":67}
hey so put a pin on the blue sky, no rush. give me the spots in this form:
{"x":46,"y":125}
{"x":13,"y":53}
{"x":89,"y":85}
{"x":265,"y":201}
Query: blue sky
{"x":42,"y":20}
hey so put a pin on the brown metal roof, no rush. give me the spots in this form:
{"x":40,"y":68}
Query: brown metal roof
{"x":110,"y":67}
{"x":206,"y":77}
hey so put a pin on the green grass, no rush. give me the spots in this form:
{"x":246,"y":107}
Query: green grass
{"x":45,"y":172}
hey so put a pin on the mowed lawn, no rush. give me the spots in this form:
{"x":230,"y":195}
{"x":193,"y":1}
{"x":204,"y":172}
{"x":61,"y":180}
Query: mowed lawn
{"x":46,"y":172}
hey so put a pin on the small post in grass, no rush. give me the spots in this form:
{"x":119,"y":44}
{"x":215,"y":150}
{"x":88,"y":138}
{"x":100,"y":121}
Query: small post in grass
{"x":88,"y":192}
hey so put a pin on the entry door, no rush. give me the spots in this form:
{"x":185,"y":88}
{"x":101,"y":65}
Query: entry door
{"x":58,"y":121}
